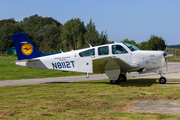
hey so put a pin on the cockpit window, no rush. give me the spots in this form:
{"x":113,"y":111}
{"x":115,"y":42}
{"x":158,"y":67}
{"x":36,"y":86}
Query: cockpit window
{"x":131,"y":47}
{"x":117,"y":49}
{"x":86,"y":53}
{"x":103,"y":50}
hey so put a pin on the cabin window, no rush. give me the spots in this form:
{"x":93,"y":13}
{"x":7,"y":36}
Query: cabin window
{"x":86,"y":53}
{"x":103,"y":50}
{"x":117,"y":49}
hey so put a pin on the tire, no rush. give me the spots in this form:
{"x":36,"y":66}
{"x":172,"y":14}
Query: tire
{"x":122,"y":78}
{"x":162,"y":80}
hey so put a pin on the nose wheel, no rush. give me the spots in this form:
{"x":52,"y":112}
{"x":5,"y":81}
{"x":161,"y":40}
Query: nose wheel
{"x":162,"y":80}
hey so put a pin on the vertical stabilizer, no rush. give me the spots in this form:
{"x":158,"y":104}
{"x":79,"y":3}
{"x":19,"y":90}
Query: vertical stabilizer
{"x":24,"y":47}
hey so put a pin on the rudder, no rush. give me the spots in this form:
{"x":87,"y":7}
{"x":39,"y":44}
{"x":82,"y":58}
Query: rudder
{"x":24,"y":47}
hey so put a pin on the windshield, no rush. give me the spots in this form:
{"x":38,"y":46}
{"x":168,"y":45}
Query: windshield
{"x":131,"y":47}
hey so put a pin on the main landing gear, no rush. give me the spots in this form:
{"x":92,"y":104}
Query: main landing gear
{"x":121,"y":78}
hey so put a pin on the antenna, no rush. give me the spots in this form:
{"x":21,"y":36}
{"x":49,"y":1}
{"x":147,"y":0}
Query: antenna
{"x":61,"y":50}
{"x":89,"y":44}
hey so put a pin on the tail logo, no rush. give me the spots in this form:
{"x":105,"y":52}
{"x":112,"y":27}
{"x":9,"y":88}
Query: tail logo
{"x":27,"y":49}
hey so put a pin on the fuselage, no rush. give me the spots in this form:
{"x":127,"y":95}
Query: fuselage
{"x":82,"y":60}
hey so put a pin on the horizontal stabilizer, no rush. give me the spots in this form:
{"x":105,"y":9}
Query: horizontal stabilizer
{"x":32,"y":60}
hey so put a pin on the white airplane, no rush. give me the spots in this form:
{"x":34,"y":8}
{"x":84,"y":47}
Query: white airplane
{"x":113,"y":59}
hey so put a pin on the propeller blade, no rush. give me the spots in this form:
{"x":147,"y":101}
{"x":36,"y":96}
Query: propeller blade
{"x":166,"y":65}
{"x":167,"y":54}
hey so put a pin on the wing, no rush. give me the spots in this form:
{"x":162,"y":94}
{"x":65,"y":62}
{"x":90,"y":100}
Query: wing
{"x":99,"y":65}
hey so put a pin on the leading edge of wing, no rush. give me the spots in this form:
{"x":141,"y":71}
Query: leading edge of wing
{"x":99,"y":64}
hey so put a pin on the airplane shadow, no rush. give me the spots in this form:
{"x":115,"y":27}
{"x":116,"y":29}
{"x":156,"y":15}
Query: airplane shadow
{"x":139,"y":82}
{"x":129,"y":82}
{"x":55,"y":82}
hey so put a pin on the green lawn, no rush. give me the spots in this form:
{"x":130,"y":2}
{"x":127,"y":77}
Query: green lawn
{"x":84,"y":100}
{"x":80,"y":100}
{"x":174,"y":59}
{"x":10,"y":71}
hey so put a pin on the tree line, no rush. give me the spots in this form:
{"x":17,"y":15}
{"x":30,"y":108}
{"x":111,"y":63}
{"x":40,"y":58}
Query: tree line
{"x":49,"y":35}
{"x":174,"y":46}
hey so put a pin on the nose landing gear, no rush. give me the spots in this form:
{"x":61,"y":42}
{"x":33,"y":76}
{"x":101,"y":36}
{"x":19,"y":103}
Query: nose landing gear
{"x":162,"y":80}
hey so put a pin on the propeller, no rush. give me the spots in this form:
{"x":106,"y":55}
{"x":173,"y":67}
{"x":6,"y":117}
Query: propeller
{"x":166,"y":65}
{"x":167,"y":55}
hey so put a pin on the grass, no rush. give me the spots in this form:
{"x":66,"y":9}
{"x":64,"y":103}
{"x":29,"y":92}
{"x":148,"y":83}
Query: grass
{"x":176,"y":52}
{"x":80,"y":100}
{"x":174,"y":59}
{"x":10,"y":71}
{"x":84,"y":100}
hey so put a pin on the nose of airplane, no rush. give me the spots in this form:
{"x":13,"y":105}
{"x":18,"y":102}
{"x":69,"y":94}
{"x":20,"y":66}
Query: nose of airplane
{"x":166,"y":55}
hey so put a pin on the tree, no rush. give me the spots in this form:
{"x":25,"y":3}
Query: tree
{"x":44,"y":32}
{"x":33,"y":23}
{"x":73,"y":30}
{"x":49,"y":35}
{"x":6,"y":31}
{"x":93,"y":37}
{"x":156,"y":43}
{"x":103,"y":37}
{"x":48,"y":38}
{"x":143,"y":45}
{"x":7,"y":22}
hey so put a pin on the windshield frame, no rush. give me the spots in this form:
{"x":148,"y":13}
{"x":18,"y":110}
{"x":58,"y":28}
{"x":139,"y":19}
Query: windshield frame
{"x":131,"y":47}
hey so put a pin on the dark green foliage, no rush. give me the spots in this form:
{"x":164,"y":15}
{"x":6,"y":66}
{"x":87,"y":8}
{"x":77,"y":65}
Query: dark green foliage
{"x":49,"y":35}
{"x":156,"y":43}
{"x":174,"y":46}
{"x":44,"y":32}
{"x":93,"y":37}
{"x":72,"y":34}
{"x":7,"y":27}
{"x":143,"y":45}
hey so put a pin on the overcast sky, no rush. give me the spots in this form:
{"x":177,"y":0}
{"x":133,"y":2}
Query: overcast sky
{"x":133,"y":19}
